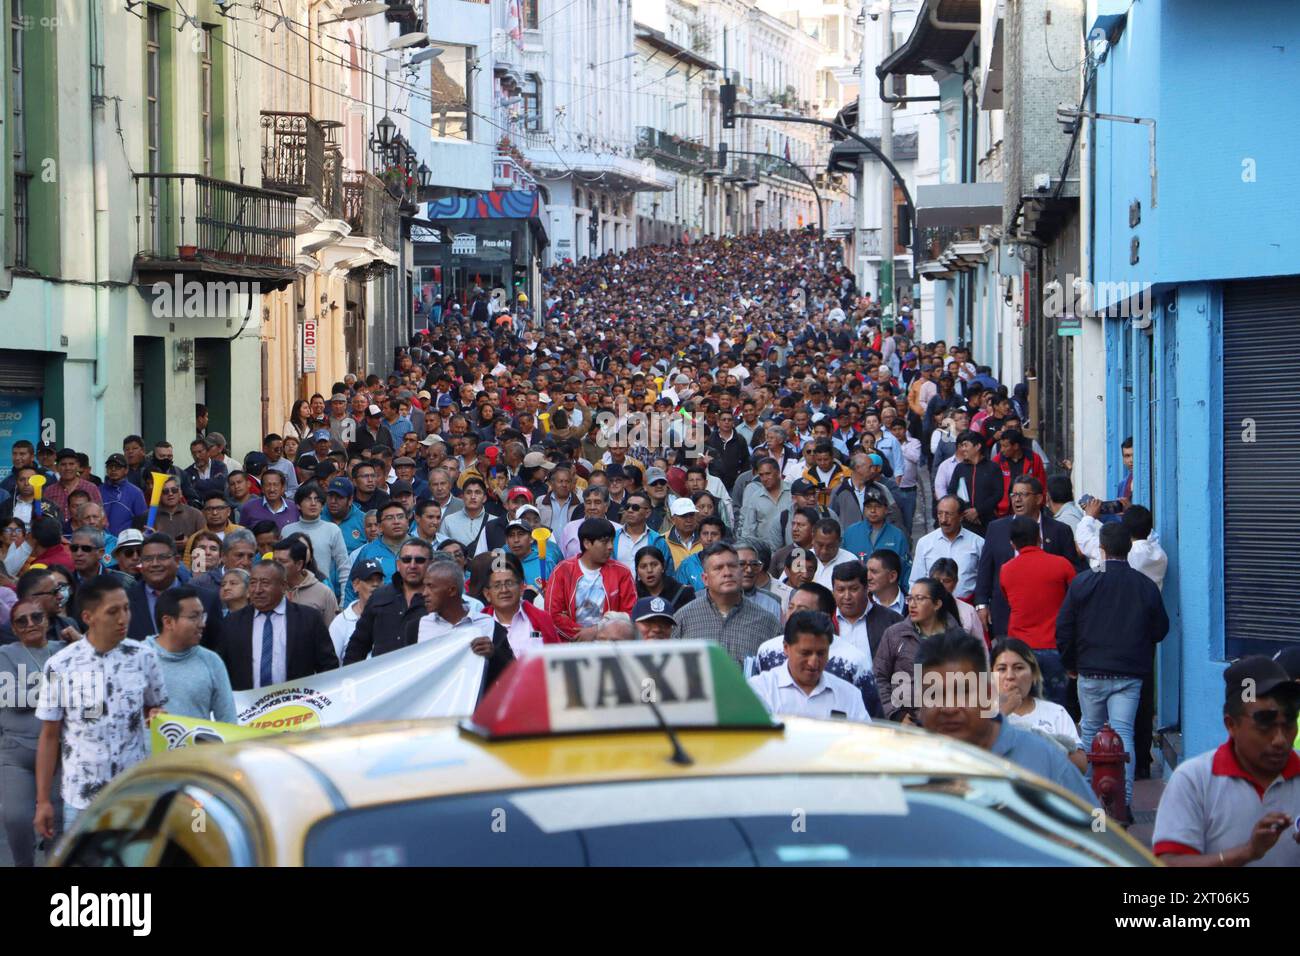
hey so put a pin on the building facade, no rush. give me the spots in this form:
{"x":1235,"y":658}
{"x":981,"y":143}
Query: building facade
{"x":1194,"y":278}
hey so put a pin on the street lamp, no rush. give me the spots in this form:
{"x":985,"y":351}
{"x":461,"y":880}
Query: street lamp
{"x":408,"y":40}
{"x":386,"y":128}
{"x":358,"y":11}
{"x":425,"y":174}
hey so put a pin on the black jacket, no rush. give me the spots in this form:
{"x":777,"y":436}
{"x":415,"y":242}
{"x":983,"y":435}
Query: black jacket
{"x":142,"y":624}
{"x":1110,"y":622}
{"x":984,"y":491}
{"x":1057,"y":539}
{"x":677,"y":595}
{"x":308,"y":648}
{"x":729,"y":458}
{"x":382,"y":625}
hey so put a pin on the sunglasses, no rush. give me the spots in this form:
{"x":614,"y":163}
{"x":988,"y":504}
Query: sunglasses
{"x":130,"y":551}
{"x":30,"y":620}
{"x":82,"y":548}
{"x":413,"y":559}
{"x":633,"y":507}
{"x":1269,"y":719}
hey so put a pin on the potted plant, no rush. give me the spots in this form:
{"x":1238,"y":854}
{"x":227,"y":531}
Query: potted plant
{"x":187,"y":252}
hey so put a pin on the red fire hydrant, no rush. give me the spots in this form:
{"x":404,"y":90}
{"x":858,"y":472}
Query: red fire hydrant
{"x":1108,"y":758}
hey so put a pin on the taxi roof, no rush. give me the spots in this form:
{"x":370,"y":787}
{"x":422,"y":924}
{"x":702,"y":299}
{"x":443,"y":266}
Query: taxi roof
{"x":368,"y":764}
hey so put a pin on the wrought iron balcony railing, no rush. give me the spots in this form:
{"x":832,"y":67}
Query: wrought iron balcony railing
{"x":293,"y":153}
{"x":213,"y":225}
{"x":369,"y":209}
{"x":656,"y":144}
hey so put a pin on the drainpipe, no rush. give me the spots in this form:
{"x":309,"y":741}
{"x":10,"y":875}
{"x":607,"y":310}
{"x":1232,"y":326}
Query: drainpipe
{"x":950,"y":24}
{"x":101,"y":231}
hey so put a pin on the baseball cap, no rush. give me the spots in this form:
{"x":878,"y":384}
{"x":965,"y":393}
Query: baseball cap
{"x":373,"y":410}
{"x":400,"y":488}
{"x":1290,"y":661}
{"x":682,"y":506}
{"x":367,"y":568}
{"x":432,"y":440}
{"x":128,"y":538}
{"x":874,"y":497}
{"x":519,"y":491}
{"x":527,"y":509}
{"x":255,"y":463}
{"x":444,"y":401}
{"x":340,"y":486}
{"x":535,"y":459}
{"x":655,"y":474}
{"x":338,"y":397}
{"x":117,"y":458}
{"x":321,"y":434}
{"x":1260,"y":677}
{"x":681,"y":380}
{"x":651,"y":607}
{"x":802,"y":486}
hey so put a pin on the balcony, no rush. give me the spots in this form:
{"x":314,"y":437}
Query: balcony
{"x":508,"y":172}
{"x":293,"y":154}
{"x":743,"y":172}
{"x":671,"y":150}
{"x":187,"y":223}
{"x":779,"y":168}
{"x":946,"y":251}
{"x":369,"y":209}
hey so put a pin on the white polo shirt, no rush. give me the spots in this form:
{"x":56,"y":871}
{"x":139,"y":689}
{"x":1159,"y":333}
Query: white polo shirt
{"x":434,"y":626}
{"x":1211,"y":804}
{"x":782,"y":696}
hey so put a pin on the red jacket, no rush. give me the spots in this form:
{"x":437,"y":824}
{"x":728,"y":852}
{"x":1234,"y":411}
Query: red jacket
{"x":1033,"y":467}
{"x":539,"y":619}
{"x":562,"y":590}
{"x":59,"y":554}
{"x":1035,"y":583}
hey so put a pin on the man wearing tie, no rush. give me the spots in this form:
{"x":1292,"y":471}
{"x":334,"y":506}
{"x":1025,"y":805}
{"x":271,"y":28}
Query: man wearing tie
{"x":272,"y":641}
{"x":159,"y":569}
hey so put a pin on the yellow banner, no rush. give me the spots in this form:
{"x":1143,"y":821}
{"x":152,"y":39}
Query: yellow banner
{"x":171,"y":732}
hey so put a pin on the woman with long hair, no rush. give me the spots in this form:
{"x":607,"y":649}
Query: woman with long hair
{"x":931,"y":610}
{"x":653,"y":579}
{"x":946,"y":572}
{"x":299,"y":423}
{"x":1020,"y":698}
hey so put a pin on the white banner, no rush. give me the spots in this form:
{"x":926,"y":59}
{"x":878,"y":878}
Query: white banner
{"x":439,"y":678}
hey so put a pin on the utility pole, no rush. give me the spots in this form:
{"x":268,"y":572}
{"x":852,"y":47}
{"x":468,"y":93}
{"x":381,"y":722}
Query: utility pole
{"x":860,"y":201}
{"x":887,"y":307}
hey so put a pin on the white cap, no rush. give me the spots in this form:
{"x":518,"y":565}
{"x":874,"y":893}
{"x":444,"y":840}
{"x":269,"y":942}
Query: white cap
{"x":682,"y":506}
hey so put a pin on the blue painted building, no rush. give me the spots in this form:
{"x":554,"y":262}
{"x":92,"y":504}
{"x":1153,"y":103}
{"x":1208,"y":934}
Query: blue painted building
{"x":1203,"y":380}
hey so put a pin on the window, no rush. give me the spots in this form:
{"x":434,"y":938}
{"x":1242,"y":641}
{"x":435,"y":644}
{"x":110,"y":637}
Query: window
{"x":531,"y":21}
{"x":153,"y":90}
{"x":205,"y":98}
{"x":533,"y":103}
{"x":19,"y":136}
{"x":449,"y":85}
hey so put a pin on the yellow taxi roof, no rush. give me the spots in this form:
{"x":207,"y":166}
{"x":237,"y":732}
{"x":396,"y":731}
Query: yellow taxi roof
{"x":367,"y":764}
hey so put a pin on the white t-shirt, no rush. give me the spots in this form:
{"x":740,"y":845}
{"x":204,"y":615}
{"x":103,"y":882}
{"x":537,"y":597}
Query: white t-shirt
{"x":1051,"y":719}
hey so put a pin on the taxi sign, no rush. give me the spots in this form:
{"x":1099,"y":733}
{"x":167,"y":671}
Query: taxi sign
{"x":586,"y":688}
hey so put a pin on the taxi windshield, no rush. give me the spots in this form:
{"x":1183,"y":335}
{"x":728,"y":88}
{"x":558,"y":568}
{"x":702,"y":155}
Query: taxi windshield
{"x":786,"y":820}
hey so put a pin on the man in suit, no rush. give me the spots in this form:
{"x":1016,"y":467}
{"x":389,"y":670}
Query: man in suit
{"x":272,"y":641}
{"x":159,"y":567}
{"x":1026,"y":502}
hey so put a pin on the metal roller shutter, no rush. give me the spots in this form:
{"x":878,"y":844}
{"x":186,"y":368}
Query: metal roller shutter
{"x":22,"y":372}
{"x":1261,"y":478}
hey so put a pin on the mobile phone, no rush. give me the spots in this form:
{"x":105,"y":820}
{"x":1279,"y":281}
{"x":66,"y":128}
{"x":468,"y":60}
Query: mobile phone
{"x":1086,"y":500}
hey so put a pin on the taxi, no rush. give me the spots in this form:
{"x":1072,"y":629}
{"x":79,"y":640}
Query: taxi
{"x":594,"y":755}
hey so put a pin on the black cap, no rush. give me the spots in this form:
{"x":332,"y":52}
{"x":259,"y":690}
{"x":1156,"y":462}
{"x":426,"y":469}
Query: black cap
{"x":874,"y":497}
{"x":802,"y":486}
{"x":1290,"y":661}
{"x":400,"y":488}
{"x":1254,"y":677}
{"x":117,"y":458}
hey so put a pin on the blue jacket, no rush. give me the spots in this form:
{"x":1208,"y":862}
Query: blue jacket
{"x":691,"y":573}
{"x":860,"y":539}
{"x":535,"y":567}
{"x":123,"y":503}
{"x":379,"y":551}
{"x":353,"y":527}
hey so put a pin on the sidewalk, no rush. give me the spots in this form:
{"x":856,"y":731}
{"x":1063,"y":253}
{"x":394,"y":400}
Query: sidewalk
{"x":1146,"y":797}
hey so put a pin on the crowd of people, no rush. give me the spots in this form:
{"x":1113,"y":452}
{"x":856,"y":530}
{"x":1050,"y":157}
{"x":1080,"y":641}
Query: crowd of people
{"x":722,"y":440}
